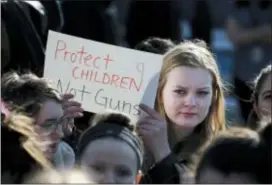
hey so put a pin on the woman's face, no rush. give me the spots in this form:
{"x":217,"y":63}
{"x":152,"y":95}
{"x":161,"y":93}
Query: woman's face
{"x":110,"y":161}
{"x":49,"y":120}
{"x":187,"y":96}
{"x":264,"y":103}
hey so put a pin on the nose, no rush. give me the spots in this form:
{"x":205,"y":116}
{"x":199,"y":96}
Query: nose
{"x":57,"y":134}
{"x":190,"y":100}
{"x":109,"y":178}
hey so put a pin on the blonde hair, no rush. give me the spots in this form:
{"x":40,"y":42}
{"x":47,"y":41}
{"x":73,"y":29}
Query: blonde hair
{"x":195,"y":54}
{"x":22,"y":149}
{"x":57,"y":177}
{"x":29,"y":140}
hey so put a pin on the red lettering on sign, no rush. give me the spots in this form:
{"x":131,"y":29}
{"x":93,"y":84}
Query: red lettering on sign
{"x":105,"y":78}
{"x":81,"y":57}
{"x":59,"y":48}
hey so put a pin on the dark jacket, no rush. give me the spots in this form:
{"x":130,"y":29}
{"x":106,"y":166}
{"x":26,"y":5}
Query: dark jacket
{"x":184,"y":156}
{"x":26,"y":51}
{"x":163,"y":172}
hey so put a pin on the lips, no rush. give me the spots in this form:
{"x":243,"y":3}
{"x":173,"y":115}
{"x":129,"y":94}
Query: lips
{"x":188,"y":114}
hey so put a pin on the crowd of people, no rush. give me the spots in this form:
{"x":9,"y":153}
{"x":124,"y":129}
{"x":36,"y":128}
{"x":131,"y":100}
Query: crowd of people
{"x":47,"y":137}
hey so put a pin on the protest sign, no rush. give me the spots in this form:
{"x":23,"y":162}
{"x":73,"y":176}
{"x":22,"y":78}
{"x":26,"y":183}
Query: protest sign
{"x":102,"y":76}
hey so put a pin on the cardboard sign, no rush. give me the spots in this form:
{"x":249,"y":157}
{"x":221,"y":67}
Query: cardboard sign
{"x":102,"y":76}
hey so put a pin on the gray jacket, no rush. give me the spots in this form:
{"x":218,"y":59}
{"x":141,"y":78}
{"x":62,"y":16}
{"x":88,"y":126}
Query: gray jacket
{"x":64,"y":157}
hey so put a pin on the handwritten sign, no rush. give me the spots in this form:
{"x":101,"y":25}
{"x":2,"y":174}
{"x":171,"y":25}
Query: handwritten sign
{"x":102,"y":76}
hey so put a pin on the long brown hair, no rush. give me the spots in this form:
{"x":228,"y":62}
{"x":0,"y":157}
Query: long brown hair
{"x":27,"y":92}
{"x":195,"y":54}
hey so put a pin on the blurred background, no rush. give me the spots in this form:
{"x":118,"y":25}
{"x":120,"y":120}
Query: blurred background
{"x":234,"y":29}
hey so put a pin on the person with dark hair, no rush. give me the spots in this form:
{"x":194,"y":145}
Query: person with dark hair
{"x":24,"y":47}
{"x":110,"y":151}
{"x":22,"y":150}
{"x":155,"y":45}
{"x":52,"y":114}
{"x":249,"y":29}
{"x":236,"y":156}
{"x":261,"y":98}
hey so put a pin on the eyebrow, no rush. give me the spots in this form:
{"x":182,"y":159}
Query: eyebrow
{"x":201,"y":88}
{"x":265,"y":92}
{"x":123,"y":166}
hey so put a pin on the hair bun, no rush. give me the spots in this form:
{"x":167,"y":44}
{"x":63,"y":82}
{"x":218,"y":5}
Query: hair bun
{"x":155,"y":45}
{"x":200,"y":43}
{"x":114,"y":118}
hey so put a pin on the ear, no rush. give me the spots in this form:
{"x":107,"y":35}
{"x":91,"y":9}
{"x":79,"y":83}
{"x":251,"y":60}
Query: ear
{"x":255,"y":107}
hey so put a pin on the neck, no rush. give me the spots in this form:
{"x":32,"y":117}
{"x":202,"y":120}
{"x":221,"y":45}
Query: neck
{"x":182,"y":132}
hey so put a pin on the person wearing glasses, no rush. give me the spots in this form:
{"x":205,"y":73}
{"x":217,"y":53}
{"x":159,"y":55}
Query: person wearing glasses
{"x":53,"y":114}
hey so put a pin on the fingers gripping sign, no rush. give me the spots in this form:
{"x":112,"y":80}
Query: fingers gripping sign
{"x":153,"y":129}
{"x":72,"y":109}
{"x":151,"y":112}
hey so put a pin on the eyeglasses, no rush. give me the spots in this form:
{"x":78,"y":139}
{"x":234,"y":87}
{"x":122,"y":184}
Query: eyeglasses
{"x":51,"y":125}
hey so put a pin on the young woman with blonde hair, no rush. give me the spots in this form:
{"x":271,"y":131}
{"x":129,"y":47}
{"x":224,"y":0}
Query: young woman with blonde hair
{"x":189,"y":109}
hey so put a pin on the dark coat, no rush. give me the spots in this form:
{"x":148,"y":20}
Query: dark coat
{"x":26,"y":50}
{"x":180,"y":165}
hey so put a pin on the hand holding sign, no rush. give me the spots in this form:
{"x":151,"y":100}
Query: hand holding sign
{"x":102,"y":76}
{"x":72,"y":109}
{"x":153,"y":129}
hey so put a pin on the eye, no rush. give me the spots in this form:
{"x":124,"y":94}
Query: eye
{"x":203,"y":93}
{"x":180,"y":91}
{"x":98,"y":168}
{"x":123,"y":171}
{"x":48,"y":124}
{"x":268,"y":96}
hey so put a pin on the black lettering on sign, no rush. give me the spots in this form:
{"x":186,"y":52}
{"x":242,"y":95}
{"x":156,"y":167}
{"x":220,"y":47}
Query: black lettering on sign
{"x":83,"y":92}
{"x":115,"y":104}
